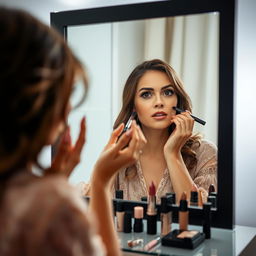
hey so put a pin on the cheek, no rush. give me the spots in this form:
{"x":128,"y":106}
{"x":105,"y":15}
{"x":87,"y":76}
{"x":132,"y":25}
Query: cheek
{"x":142,"y":109}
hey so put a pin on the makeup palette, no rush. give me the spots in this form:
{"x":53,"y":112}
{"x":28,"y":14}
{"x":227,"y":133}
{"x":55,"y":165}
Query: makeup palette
{"x":188,"y":239}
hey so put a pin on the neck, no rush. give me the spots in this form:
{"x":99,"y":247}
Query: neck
{"x":156,"y":140}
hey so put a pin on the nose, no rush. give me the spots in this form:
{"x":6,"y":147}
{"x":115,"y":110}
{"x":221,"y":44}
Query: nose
{"x":158,"y":102}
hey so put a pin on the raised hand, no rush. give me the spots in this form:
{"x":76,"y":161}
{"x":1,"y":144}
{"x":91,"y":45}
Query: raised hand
{"x":184,"y":124}
{"x":119,"y":152}
{"x":68,"y":155}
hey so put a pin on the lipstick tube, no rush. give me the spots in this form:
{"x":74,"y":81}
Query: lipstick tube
{"x":183,"y":212}
{"x":151,"y":211}
{"x":138,"y":219}
{"x":119,"y":216}
{"x":165,"y":216}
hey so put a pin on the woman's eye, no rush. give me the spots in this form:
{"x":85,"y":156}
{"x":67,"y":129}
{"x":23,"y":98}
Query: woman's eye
{"x":145,"y":95}
{"x":168,"y":92}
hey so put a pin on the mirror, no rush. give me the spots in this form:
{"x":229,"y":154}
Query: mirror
{"x":113,"y":40}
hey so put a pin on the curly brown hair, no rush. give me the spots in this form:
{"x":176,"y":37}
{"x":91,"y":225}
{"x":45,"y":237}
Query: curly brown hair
{"x":37,"y":73}
{"x":184,"y":102}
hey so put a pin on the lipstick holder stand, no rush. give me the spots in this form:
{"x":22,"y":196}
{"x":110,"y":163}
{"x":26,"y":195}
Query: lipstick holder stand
{"x":196,"y":214}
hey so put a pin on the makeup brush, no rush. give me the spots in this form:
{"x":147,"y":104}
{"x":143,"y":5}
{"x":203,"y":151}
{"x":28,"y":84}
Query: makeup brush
{"x":200,"y":121}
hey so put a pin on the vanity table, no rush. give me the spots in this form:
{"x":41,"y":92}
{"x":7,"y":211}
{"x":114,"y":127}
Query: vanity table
{"x":224,"y":242}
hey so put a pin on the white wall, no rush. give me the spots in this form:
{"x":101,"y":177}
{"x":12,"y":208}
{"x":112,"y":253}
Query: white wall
{"x":245,"y":134}
{"x":245,"y":71}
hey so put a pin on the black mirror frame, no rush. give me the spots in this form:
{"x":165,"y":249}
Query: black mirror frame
{"x":224,"y":216}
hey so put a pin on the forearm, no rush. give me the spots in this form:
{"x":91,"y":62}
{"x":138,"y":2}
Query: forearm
{"x":101,"y":207}
{"x":180,"y":177}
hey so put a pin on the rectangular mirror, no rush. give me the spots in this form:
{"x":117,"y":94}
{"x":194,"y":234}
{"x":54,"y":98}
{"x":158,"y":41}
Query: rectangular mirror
{"x":111,"y":41}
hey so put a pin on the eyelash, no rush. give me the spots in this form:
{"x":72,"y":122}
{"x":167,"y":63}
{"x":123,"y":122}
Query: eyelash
{"x":148,"y":94}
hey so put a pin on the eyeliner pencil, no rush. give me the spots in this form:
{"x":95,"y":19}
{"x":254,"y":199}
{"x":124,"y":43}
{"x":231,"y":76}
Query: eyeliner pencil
{"x":200,"y":121}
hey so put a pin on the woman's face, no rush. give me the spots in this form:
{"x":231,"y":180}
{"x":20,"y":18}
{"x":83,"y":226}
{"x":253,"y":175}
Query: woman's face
{"x":155,"y":99}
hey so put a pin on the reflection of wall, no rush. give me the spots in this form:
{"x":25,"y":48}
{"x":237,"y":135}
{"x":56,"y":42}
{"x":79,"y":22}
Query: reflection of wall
{"x":86,"y":41}
{"x":128,"y":51}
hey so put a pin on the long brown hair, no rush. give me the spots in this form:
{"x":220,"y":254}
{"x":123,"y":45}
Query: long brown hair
{"x":184,"y":101}
{"x":37,"y":73}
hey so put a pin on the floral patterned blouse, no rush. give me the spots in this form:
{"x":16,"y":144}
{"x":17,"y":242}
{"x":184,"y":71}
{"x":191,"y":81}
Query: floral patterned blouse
{"x":45,"y":216}
{"x":203,"y":174}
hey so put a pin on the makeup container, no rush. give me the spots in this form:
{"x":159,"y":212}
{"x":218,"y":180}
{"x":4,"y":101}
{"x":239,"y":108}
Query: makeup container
{"x":127,"y":222}
{"x":207,"y":219}
{"x":119,"y":194}
{"x":212,"y":200}
{"x":135,"y":242}
{"x":165,"y":217}
{"x":138,"y":219}
{"x":194,"y":196}
{"x":119,"y":216}
{"x":153,"y":243}
{"x":183,"y":212}
{"x":188,"y":239}
{"x":171,"y":197}
{"x":151,"y":211}
{"x":144,"y":199}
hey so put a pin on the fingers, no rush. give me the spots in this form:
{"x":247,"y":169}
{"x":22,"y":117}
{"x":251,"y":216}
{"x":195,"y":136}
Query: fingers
{"x":125,"y":138}
{"x":80,"y":140}
{"x":184,"y":123}
{"x":115,"y":134}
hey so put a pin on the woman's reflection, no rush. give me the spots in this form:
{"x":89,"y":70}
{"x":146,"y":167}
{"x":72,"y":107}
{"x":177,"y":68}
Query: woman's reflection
{"x":174,"y":158}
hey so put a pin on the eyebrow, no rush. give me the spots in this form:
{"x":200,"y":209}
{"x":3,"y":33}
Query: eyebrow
{"x":151,"y":89}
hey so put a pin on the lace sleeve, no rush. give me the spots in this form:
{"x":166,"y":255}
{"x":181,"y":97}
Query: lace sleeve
{"x":205,"y":172}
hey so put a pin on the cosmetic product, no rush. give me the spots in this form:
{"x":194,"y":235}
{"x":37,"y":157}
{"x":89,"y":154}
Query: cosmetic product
{"x":200,"y":121}
{"x":188,"y":239}
{"x":144,"y":199}
{"x":200,"y":198}
{"x":119,"y":216}
{"x":151,"y":210}
{"x":183,"y":212}
{"x":211,"y":189}
{"x":138,"y":219}
{"x":127,"y":222}
{"x":194,"y":196}
{"x":207,"y":219}
{"x":153,"y":243}
{"x":119,"y":194}
{"x":135,"y":242}
{"x":212,"y":200}
{"x":129,"y":122}
{"x":165,"y":217}
{"x":171,"y":197}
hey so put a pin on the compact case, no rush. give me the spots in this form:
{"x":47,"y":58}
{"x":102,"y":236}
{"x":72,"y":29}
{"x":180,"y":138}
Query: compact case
{"x":188,"y":239}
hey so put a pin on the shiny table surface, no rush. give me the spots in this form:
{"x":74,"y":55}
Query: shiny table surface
{"x":223,"y":242}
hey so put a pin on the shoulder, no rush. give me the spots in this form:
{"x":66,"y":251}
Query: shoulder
{"x":58,"y":189}
{"x":205,"y":147}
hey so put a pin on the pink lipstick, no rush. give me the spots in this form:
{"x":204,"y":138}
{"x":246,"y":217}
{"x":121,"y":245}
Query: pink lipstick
{"x":151,"y":210}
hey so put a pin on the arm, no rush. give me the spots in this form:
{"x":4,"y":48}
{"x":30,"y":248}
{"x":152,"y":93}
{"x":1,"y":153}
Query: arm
{"x":114,"y":157}
{"x":179,"y":174}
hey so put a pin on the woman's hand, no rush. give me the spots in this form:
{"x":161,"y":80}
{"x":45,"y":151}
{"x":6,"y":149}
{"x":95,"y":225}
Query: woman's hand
{"x":184,"y":124}
{"x":68,"y":155}
{"x":119,"y":153}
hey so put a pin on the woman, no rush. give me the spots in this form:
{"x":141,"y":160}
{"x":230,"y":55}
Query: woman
{"x":44,"y":215}
{"x":174,"y":158}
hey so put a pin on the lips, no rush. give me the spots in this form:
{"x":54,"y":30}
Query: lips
{"x":159,"y":114}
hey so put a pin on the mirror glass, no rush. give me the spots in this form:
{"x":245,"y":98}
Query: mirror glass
{"x":110,"y":51}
